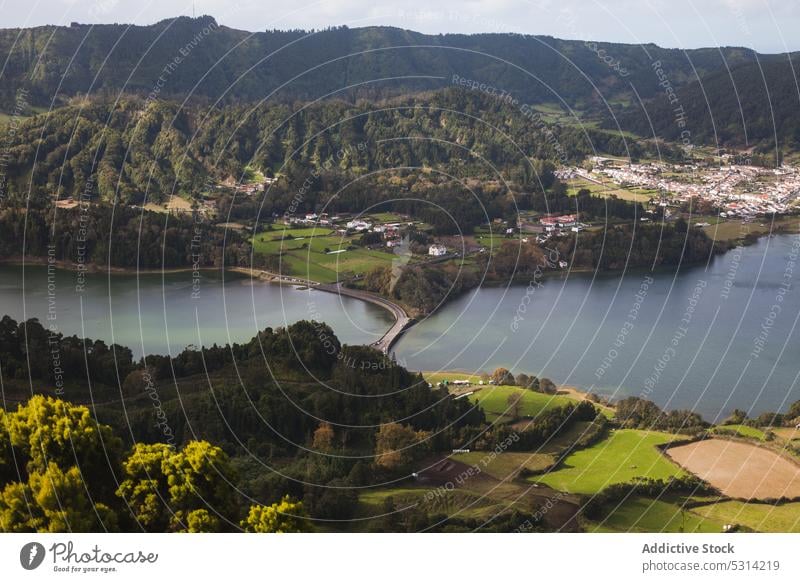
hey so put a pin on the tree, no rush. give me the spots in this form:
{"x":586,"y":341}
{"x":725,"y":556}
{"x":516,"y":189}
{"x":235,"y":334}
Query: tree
{"x":165,"y":487}
{"x":53,"y":501}
{"x":529,"y":382}
{"x":323,"y":437}
{"x":285,"y":516}
{"x":46,"y":431}
{"x":738,"y":416}
{"x":547,"y":386}
{"x":396,"y":445}
{"x":514,"y":404}
{"x":502,"y":376}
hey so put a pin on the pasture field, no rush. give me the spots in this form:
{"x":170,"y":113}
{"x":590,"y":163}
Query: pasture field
{"x":384,"y":217}
{"x":494,"y":401}
{"x":319,"y":254}
{"x":626,"y":454}
{"x":504,"y":466}
{"x":640,"y":514}
{"x":763,"y":517}
{"x":742,"y":430}
{"x":460,"y":502}
{"x":608,"y":188}
{"x":567,"y":439}
{"x":730,"y":230}
{"x":740,"y":470}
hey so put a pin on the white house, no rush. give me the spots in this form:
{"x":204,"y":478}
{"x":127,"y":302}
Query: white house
{"x":437,"y":250}
{"x":358,"y":225}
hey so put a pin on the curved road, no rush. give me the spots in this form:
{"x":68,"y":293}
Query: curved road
{"x":402,"y":320}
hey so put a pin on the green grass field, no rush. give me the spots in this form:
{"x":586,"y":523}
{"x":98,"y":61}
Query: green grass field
{"x":734,"y":229}
{"x":742,"y":430}
{"x":756,"y":516}
{"x":622,"y":457}
{"x":639,"y":514}
{"x":465,"y":503}
{"x":505,"y":466}
{"x":607,"y":189}
{"x":494,"y":401}
{"x":313,"y":253}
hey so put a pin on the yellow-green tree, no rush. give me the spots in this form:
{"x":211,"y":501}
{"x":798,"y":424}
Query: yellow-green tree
{"x":48,"y":430}
{"x":53,"y":501}
{"x":179,"y":490}
{"x":286,"y":516}
{"x":56,"y":469}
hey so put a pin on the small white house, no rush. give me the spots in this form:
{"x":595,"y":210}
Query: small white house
{"x":437,"y":250}
{"x":358,"y":225}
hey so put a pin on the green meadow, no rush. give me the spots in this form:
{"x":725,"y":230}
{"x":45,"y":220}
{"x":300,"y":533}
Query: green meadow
{"x":624,"y":456}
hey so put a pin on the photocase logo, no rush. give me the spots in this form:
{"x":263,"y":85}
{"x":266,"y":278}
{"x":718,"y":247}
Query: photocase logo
{"x":31,"y":555}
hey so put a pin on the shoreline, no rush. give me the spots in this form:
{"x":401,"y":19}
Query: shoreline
{"x":404,"y":320}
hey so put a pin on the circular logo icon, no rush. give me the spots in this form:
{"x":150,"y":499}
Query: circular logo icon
{"x":31,"y":555}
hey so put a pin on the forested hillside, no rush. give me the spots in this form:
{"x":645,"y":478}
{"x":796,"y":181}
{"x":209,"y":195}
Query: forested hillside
{"x":753,"y":104}
{"x":216,"y":62}
{"x":137,"y":151}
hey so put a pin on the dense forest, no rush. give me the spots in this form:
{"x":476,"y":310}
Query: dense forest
{"x":730,"y":96}
{"x":201,"y":426}
{"x":753,"y":104}
{"x":119,"y":237}
{"x":200,"y":58}
{"x":137,"y":151}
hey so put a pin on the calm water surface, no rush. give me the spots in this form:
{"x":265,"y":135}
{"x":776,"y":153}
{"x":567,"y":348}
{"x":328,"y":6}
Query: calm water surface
{"x":710,"y":339}
{"x":156,"y":315}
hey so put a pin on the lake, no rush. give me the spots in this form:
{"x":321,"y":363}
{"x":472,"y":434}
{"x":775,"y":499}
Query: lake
{"x":710,"y":338}
{"x":162,"y":315}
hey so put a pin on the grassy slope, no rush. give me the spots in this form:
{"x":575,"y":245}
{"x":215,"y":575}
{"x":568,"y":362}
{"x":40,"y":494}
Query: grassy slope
{"x":742,"y":430}
{"x":505,"y":465}
{"x":494,"y":400}
{"x":312,"y":262}
{"x":757,"y":516}
{"x":620,"y":458}
{"x":639,"y":514}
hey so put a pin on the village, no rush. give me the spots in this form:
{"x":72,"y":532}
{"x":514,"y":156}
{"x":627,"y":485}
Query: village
{"x":734,"y":190}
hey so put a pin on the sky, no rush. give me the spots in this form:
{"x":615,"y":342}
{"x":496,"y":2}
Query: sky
{"x":765,"y":25}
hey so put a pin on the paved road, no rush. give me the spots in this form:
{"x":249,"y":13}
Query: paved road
{"x":402,"y":319}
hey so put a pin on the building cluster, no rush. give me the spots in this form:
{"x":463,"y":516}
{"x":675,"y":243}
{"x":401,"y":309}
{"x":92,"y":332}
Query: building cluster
{"x":735,"y":190}
{"x":391,"y":233}
{"x":311,"y":219}
{"x":557,"y":225}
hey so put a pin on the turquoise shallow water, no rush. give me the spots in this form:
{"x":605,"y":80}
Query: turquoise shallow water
{"x":159,"y":315}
